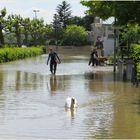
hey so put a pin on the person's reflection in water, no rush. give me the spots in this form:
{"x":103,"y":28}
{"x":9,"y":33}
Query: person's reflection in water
{"x":90,"y":75}
{"x":53,"y":83}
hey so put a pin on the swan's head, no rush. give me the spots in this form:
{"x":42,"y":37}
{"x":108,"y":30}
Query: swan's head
{"x":71,"y":102}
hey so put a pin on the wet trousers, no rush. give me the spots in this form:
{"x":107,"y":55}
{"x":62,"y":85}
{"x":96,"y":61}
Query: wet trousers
{"x":53,"y":66}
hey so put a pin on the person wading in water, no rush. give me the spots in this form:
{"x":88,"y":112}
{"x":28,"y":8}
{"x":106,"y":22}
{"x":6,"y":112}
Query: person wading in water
{"x":54,"y":59}
{"x":93,"y":58}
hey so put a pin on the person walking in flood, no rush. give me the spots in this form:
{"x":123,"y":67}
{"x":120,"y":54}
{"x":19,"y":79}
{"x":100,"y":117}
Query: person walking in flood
{"x":93,"y":58}
{"x":54,"y":59}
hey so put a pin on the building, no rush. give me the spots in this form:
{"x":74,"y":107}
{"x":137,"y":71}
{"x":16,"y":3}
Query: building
{"x":104,"y":33}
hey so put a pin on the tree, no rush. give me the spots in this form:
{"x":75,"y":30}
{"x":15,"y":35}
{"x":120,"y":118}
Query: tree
{"x":85,"y":21}
{"x":48,"y":31}
{"x":37,"y":31}
{"x":102,"y":9}
{"x":136,"y":56}
{"x":129,"y":35}
{"x":75,"y":35}
{"x":88,"y":20}
{"x":26,"y":23}
{"x":2,"y":25}
{"x":64,"y":13}
{"x":58,"y":29}
{"x":14,"y":25}
{"x":123,"y":11}
{"x":77,"y":21}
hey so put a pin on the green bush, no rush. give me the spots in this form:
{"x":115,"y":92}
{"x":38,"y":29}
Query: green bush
{"x":136,"y":52}
{"x":11,"y":54}
{"x":138,"y":69}
{"x":136,"y":56}
{"x":75,"y":35}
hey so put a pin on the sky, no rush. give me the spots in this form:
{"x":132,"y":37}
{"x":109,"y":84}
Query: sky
{"x":47,"y":8}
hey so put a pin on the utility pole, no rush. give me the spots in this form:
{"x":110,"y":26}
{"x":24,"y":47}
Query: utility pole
{"x":114,"y":64}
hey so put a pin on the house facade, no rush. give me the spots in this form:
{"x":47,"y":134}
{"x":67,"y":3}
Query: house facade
{"x":103,"y":33}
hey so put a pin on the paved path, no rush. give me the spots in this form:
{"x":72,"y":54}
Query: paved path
{"x":102,"y":68}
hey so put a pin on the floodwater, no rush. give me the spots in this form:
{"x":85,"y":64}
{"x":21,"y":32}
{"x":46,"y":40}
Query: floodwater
{"x":32,"y":101}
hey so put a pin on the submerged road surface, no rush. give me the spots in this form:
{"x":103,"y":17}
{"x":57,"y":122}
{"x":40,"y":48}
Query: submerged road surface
{"x":32,"y":101}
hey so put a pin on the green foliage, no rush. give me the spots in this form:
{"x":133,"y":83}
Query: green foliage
{"x":57,"y":28}
{"x":136,"y":52}
{"x":61,"y":19}
{"x":11,"y":54}
{"x":43,"y":49}
{"x":3,"y":12}
{"x":64,"y":13}
{"x":26,"y":31}
{"x":138,"y":70}
{"x":16,"y":30}
{"x":124,"y":11}
{"x":38,"y":31}
{"x":26,"y":24}
{"x":75,"y":35}
{"x":136,"y":56}
{"x":14,"y":26}
{"x":85,"y":21}
{"x":131,"y":33}
{"x":110,"y":59}
{"x":102,"y":9}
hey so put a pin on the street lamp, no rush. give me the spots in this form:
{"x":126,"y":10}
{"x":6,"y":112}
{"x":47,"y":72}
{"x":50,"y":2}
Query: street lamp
{"x":36,"y":12}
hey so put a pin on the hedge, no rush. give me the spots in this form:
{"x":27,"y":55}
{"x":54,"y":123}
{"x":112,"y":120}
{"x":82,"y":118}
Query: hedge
{"x":136,"y":56}
{"x":11,"y":54}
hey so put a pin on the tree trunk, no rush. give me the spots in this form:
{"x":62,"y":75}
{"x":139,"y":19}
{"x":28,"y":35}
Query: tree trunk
{"x":26,"y":39}
{"x":18,"y":39}
{"x":1,"y":37}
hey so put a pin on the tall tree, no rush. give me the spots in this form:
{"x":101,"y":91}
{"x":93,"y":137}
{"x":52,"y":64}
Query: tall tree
{"x":57,"y":26}
{"x":64,"y":13}
{"x":2,"y":25}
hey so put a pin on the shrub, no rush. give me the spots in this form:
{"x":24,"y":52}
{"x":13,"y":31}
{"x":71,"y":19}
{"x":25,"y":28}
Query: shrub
{"x":136,"y":56}
{"x":11,"y":54}
{"x":138,"y":69}
{"x":75,"y":35}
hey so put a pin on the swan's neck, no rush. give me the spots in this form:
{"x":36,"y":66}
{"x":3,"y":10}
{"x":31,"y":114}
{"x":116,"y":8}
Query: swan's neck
{"x":72,"y":103}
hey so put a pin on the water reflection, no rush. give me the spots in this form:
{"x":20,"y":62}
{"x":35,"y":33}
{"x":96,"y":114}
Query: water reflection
{"x":99,"y":125}
{"x":53,"y":83}
{"x":71,"y":113}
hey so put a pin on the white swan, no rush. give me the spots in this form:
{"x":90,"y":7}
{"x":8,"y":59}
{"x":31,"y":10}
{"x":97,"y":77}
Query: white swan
{"x":71,"y":102}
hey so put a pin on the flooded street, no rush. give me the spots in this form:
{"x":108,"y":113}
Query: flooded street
{"x":32,"y":101}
